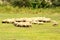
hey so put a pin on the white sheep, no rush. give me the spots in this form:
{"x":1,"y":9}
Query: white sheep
{"x":46,"y":20}
{"x":23,"y":24}
{"x":37,"y":22}
{"x":18,"y":20}
{"x":21,"y":20}
{"x":29,"y":20}
{"x":4,"y":21}
{"x":10,"y":20}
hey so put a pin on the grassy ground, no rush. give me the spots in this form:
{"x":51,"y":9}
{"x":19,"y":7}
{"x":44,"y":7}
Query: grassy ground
{"x":36,"y":32}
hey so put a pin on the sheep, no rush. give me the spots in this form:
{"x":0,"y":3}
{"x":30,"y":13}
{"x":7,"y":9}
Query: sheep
{"x":39,"y":19}
{"x":18,"y":20}
{"x":54,"y":23}
{"x":28,"y":24}
{"x":8,"y":21}
{"x":21,"y":20}
{"x":23,"y":24}
{"x":46,"y":20}
{"x":42,"y":19}
{"x":37,"y":22}
{"x":4,"y":21}
{"x":29,"y":20}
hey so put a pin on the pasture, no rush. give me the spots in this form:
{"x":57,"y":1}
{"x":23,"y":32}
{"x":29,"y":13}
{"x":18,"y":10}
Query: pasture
{"x":36,"y":32}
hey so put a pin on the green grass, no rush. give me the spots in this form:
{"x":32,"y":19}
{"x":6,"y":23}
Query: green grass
{"x":36,"y":32}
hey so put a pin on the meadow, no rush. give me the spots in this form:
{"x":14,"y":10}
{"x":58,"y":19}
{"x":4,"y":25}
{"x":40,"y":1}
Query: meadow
{"x":36,"y":32}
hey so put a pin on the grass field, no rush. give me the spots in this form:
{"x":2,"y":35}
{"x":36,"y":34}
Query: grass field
{"x":36,"y":32}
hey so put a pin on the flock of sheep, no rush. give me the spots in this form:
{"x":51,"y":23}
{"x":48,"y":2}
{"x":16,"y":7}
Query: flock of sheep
{"x":27,"y":22}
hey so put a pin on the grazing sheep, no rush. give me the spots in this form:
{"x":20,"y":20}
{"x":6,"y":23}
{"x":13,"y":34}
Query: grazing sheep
{"x":23,"y":24}
{"x":10,"y":20}
{"x":39,"y":19}
{"x":46,"y":20}
{"x":36,"y":22}
{"x":21,"y":20}
{"x":4,"y":21}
